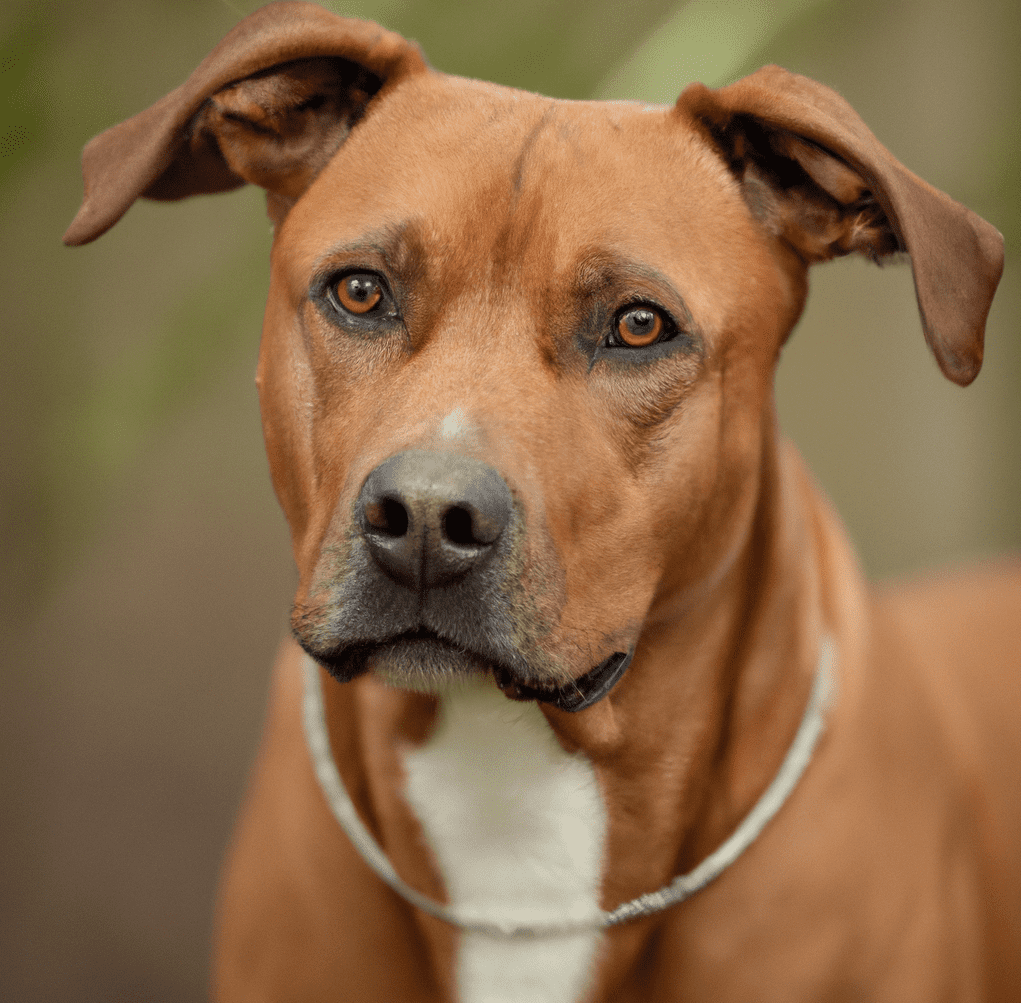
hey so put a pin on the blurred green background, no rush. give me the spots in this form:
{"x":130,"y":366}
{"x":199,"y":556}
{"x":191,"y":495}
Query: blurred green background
{"x":146,"y":568}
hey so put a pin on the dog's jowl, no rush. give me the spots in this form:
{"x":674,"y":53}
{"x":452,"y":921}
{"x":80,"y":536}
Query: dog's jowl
{"x":587,"y":699}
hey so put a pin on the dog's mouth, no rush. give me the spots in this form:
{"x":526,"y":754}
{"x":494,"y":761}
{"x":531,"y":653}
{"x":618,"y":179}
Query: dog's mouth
{"x":423,"y":661}
{"x":578,"y":693}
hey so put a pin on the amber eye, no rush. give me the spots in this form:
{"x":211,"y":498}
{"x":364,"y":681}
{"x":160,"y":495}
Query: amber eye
{"x":358,"y":293}
{"x":639,"y":326}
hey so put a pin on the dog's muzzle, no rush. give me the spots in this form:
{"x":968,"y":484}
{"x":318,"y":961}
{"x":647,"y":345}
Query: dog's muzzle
{"x":437,"y":591}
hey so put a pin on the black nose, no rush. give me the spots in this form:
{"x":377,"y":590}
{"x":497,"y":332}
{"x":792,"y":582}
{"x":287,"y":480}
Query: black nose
{"x":429,"y":518}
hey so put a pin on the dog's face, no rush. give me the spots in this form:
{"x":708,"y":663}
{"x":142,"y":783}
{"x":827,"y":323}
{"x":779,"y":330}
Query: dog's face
{"x":517,"y":359}
{"x":537,"y":296}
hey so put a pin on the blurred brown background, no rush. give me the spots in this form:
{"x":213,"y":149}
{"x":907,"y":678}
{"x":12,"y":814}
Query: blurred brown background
{"x":146,"y":569}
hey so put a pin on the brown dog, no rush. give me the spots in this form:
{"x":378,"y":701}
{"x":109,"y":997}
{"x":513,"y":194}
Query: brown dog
{"x":516,"y":385}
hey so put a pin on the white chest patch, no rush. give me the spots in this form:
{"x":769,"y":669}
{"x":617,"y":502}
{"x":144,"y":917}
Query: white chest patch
{"x":517,"y":826}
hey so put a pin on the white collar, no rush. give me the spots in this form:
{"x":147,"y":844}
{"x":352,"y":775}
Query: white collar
{"x":682,"y":887}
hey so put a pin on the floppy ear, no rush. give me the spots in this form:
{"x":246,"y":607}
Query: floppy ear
{"x":814,"y":174}
{"x":269,"y":105}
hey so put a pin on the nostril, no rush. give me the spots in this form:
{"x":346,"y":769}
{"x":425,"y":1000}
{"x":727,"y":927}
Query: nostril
{"x":387,"y":516}
{"x":428,"y":519}
{"x":457,"y":527}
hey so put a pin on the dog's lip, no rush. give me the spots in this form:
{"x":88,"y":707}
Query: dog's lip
{"x":578,"y":694}
{"x":363,"y":648}
{"x":572,"y":697}
{"x":429,"y":635}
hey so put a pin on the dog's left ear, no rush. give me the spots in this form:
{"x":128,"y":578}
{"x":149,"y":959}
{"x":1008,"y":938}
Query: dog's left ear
{"x":270,"y":105}
{"x":814,"y":174}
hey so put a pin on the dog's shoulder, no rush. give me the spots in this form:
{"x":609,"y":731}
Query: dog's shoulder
{"x":959,"y":633}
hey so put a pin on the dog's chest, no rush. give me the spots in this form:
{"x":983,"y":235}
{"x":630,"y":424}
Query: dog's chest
{"x":517,"y":826}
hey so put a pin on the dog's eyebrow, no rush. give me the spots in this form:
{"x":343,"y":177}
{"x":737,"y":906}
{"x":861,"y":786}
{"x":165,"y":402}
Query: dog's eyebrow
{"x":397,"y":247}
{"x":609,"y":275}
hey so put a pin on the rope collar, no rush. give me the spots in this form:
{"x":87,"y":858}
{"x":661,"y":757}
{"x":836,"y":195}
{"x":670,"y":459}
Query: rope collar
{"x":539,"y":925}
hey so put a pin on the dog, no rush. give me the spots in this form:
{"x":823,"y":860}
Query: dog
{"x":587,"y":698}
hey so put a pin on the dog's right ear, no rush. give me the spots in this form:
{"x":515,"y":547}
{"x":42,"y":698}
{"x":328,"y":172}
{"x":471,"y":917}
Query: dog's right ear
{"x":814,"y":174}
{"x":269,"y":105}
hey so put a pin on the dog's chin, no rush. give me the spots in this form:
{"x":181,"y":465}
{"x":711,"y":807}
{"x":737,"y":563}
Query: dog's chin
{"x":423,"y":664}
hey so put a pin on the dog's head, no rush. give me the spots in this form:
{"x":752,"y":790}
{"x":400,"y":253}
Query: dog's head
{"x":517,"y":360}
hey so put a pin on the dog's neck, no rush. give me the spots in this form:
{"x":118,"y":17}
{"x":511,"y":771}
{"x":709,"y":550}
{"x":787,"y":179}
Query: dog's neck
{"x":716,"y":693}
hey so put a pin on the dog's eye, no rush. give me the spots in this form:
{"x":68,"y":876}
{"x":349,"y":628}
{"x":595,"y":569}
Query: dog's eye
{"x":638,"y":326}
{"x":358,"y":293}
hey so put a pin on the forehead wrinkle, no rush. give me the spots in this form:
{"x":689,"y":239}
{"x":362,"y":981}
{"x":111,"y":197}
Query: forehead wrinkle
{"x":521,"y":161}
